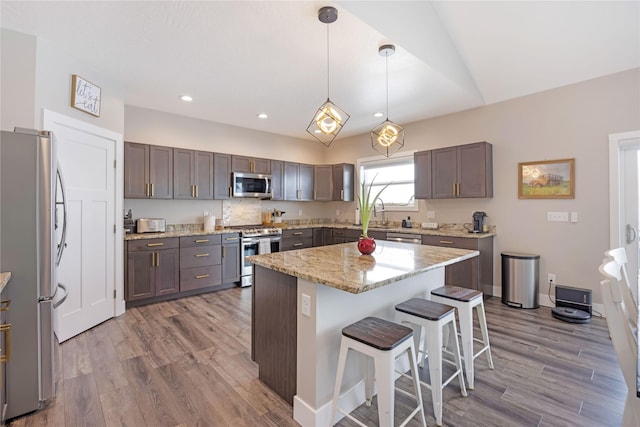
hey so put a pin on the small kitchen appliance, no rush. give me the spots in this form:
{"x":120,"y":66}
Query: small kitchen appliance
{"x":478,"y":222}
{"x":573,"y":305}
{"x":151,"y":225}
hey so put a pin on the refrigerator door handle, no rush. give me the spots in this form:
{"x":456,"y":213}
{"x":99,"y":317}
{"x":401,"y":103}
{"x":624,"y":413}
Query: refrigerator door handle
{"x":63,"y":238}
{"x":64,"y":297}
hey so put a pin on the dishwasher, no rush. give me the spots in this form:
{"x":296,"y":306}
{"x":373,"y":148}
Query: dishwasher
{"x":405,"y":238}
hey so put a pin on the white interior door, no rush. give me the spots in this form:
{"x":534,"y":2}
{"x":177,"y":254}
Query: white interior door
{"x":625,"y":200}
{"x":87,"y":267}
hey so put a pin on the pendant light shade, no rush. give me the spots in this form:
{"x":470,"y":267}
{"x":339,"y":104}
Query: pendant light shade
{"x":387,"y":137}
{"x":328,"y":121}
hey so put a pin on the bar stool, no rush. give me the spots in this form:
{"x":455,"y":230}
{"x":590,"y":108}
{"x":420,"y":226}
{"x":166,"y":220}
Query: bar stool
{"x":382,"y":341}
{"x":434,"y":317}
{"x":465,"y":300}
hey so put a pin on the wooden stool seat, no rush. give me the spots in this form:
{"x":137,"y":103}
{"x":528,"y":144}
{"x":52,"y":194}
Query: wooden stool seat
{"x":382,"y":342}
{"x":466,"y":300}
{"x":377,"y":333}
{"x":425,"y":309}
{"x":457,"y":293}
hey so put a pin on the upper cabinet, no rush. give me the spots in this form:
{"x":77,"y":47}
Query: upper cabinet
{"x":298,"y":181}
{"x":322,"y":182}
{"x":148,"y":171}
{"x":343,"y":182}
{"x":277,"y":180}
{"x":221,"y":176}
{"x":250,"y":164}
{"x":463,"y":171}
{"x":192,"y":174}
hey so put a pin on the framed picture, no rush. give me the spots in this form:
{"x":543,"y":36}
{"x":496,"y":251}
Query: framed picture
{"x":85,"y":96}
{"x":547,"y":179}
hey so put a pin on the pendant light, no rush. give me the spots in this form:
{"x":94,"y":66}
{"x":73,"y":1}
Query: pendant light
{"x":328,"y":121}
{"x":387,"y":137}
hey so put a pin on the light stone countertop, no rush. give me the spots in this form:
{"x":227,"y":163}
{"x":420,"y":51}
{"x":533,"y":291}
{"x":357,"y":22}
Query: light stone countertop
{"x":4,"y":279}
{"x":343,"y":267}
{"x":446,"y":230}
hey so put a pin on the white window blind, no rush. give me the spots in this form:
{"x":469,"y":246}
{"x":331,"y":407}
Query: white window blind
{"x":398,"y":173}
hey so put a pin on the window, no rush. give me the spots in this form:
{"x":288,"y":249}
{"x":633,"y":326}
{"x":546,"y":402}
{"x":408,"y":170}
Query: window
{"x":395,"y":171}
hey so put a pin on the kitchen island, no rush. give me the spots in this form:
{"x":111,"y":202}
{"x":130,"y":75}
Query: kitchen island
{"x":302,"y":299}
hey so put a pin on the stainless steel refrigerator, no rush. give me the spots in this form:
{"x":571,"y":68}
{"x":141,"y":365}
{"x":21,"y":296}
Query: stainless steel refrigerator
{"x":31,"y":240}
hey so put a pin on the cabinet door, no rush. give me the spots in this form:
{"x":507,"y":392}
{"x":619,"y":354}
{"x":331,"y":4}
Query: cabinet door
{"x":241,"y":164}
{"x":322,"y":182}
{"x":422,"y":174}
{"x":318,"y":237}
{"x":140,"y":275}
{"x":203,"y":175}
{"x":444,"y":163}
{"x":305,"y":182}
{"x":221,"y":176}
{"x":262,"y":166}
{"x":183,"y":173}
{"x":277,"y":180}
{"x":343,"y":182}
{"x":161,"y":172}
{"x":136,"y":170}
{"x":167,"y":271}
{"x":230,"y":258}
{"x":291,"y":181}
{"x":475,"y":170}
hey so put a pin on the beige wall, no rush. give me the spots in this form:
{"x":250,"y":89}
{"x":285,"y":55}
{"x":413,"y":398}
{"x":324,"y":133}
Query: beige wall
{"x":568,"y":122}
{"x":17,"y":79}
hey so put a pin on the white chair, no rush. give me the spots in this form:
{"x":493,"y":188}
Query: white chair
{"x":630,"y":299}
{"x":622,"y":328}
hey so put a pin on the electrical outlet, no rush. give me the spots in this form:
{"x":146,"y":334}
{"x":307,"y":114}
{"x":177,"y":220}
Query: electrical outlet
{"x":306,"y":305}
{"x":431,"y":214}
{"x":551,"y":277}
{"x":205,"y":213}
{"x":574,"y":217}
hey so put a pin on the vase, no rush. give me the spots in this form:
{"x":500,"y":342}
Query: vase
{"x":366,"y":245}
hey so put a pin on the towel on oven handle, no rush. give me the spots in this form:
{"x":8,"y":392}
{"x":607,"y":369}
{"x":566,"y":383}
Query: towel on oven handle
{"x":264,"y":246}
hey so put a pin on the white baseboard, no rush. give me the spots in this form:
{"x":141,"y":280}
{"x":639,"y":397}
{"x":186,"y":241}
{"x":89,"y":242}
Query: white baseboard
{"x":306,"y":416}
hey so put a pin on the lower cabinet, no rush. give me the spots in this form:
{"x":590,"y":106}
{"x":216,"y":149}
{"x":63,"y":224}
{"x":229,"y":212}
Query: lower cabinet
{"x":152,"y":268}
{"x":5,"y":355}
{"x":165,"y":268}
{"x":345,"y":235}
{"x":475,"y":273}
{"x":301,"y":238}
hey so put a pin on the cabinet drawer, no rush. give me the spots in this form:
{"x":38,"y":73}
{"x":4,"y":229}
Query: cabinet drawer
{"x":300,"y":243}
{"x":200,"y":256}
{"x":229,"y":238}
{"x":298,"y":234}
{"x":200,"y":277}
{"x":206,"y":240}
{"x":153,"y":244}
{"x":453,"y":242}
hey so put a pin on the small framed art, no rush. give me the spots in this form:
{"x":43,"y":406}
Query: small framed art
{"x":547,"y":179}
{"x":85,"y":96}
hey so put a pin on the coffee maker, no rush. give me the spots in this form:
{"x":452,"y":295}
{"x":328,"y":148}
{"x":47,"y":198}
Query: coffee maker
{"x":478,"y":222}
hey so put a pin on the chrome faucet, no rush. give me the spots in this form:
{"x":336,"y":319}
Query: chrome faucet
{"x":382,"y":211}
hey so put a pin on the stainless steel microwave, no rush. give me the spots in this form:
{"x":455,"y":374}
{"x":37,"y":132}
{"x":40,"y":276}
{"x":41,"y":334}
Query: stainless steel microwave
{"x":251,"y":185}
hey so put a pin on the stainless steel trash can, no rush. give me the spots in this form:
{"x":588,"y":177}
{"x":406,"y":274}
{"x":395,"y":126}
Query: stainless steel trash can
{"x":520,"y":279}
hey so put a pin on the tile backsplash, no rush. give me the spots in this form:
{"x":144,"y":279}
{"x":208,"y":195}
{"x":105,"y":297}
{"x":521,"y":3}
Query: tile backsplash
{"x":241,"y":212}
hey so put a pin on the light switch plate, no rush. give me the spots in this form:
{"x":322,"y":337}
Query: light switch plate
{"x":574,"y":217}
{"x":306,"y":305}
{"x":557,"y":216}
{"x":430,"y":225}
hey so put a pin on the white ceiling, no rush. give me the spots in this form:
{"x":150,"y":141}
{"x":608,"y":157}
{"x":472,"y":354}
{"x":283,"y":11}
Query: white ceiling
{"x":239,"y":58}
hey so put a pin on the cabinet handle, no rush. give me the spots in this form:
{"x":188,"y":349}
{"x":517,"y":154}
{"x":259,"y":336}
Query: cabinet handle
{"x":151,"y":185}
{"x":193,"y":191}
{"x":4,"y":305}
{"x":446,"y":242}
{"x":297,"y":244}
{"x":155,"y":244}
{"x":146,"y":190}
{"x":157,"y":259}
{"x":6,"y":330}
{"x":201,"y":276}
{"x":224,"y":252}
{"x":454,"y":188}
{"x":196,"y":191}
{"x":200,"y":255}
{"x":201,"y":240}
{"x":298,"y":194}
{"x":153,"y":259}
{"x":298,"y":233}
{"x":341,"y":194}
{"x":231,"y":239}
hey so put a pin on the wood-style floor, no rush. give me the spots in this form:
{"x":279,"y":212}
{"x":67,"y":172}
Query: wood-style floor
{"x":187,"y":363}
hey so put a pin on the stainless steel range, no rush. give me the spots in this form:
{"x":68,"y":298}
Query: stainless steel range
{"x":256,"y":239}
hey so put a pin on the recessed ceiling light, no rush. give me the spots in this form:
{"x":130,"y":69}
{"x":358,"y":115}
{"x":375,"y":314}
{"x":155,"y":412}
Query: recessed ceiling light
{"x":378,"y":114}
{"x":262,"y":116}
{"x":186,"y":98}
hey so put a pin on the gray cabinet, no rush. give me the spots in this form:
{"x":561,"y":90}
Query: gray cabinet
{"x":221,"y":176}
{"x":296,"y":239}
{"x":192,"y":174}
{"x":475,"y":273}
{"x":345,"y":235}
{"x":152,"y":268}
{"x":277,"y":180}
{"x":343,"y":182}
{"x":322,"y":182}
{"x":5,"y":332}
{"x":422,"y":174}
{"x":148,"y":171}
{"x":200,"y":262}
{"x":250,"y":164}
{"x":298,"y":181}
{"x":230,"y":258}
{"x":463,"y":171}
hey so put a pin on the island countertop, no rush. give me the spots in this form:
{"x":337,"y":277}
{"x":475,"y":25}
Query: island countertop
{"x":343,"y":267}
